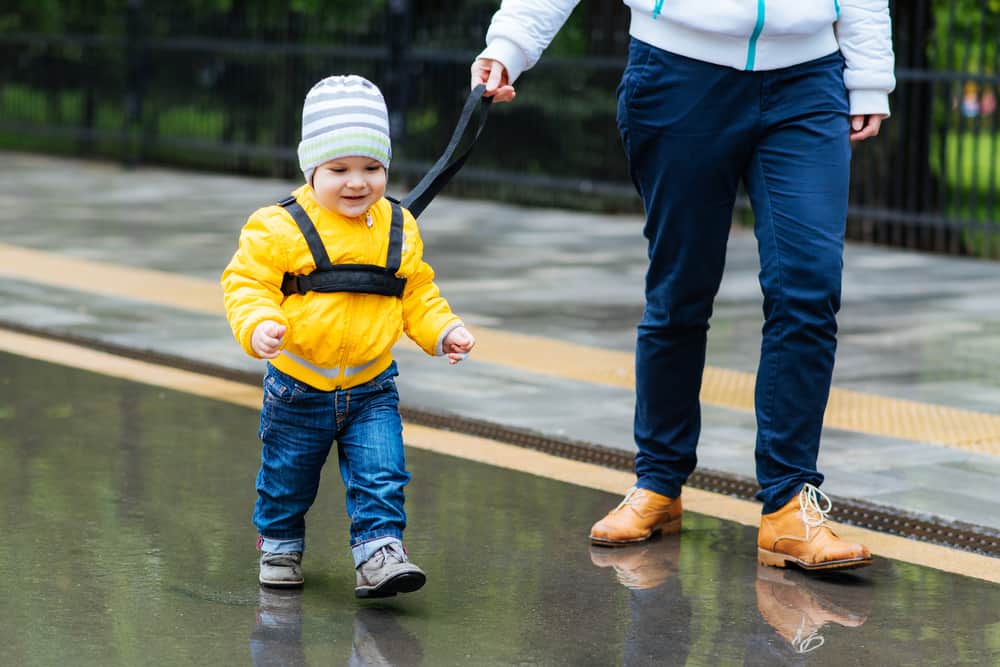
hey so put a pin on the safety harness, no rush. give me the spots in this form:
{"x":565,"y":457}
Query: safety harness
{"x":372,"y":278}
{"x":330,"y":277}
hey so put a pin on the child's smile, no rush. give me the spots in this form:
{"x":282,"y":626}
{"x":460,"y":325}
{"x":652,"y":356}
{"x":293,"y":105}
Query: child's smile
{"x":349,"y":185}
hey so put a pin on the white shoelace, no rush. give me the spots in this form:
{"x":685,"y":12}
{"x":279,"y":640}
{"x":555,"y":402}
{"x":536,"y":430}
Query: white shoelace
{"x":815,"y":505}
{"x":627,"y":500}
{"x":392,"y":551}
{"x":282,"y":559}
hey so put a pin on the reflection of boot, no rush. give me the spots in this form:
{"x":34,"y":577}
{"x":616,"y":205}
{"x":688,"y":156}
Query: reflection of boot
{"x":277,"y":638}
{"x":379,"y":640}
{"x":658,"y":632}
{"x":641,"y":566}
{"x":798,"y":607}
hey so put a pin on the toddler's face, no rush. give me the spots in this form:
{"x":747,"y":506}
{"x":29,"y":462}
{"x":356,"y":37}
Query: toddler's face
{"x":349,"y":185}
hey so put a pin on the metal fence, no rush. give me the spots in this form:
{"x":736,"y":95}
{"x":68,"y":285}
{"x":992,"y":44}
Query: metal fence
{"x":148,"y":84}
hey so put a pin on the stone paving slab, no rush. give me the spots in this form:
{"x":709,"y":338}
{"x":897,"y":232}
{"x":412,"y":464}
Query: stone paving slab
{"x":913,"y":326}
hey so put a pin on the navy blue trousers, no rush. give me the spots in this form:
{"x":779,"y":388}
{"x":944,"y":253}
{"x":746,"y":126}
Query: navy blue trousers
{"x":692,"y":132}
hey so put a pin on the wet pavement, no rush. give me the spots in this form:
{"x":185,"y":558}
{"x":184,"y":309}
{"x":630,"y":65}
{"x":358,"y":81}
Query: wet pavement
{"x":127,"y":541}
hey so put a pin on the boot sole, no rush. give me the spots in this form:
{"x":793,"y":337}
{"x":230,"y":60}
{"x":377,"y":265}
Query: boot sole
{"x":407,"y":582}
{"x":281,"y":584}
{"x":671,"y":527}
{"x":774,"y":559}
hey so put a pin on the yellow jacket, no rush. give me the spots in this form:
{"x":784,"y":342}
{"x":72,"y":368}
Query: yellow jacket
{"x":335,"y":339}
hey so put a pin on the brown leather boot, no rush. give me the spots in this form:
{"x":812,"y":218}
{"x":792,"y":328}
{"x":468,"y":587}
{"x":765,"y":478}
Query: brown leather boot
{"x":798,"y":534}
{"x":638,"y":517}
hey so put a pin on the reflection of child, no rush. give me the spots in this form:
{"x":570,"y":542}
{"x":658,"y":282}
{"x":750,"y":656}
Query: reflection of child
{"x":323,"y":285}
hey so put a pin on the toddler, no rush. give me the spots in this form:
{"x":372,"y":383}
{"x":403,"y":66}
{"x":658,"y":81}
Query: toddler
{"x":322,"y":286}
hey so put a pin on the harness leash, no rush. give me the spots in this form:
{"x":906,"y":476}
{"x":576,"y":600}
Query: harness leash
{"x":372,"y":278}
{"x":447,"y":166}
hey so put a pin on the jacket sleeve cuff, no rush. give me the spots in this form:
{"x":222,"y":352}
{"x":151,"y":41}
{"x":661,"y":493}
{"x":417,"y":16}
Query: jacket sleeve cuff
{"x":439,"y":346}
{"x":246,"y":335}
{"x":508,"y":53}
{"x":866,"y":102}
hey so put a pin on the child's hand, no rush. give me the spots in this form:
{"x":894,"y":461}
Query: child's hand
{"x":457,"y":344}
{"x":266,"y":339}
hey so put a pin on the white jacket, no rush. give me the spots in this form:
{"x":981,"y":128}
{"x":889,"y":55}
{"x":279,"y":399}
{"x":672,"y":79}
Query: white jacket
{"x":744,"y":34}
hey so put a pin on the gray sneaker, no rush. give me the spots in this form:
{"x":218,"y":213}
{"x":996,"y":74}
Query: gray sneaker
{"x":281,"y":570}
{"x":388,"y":572}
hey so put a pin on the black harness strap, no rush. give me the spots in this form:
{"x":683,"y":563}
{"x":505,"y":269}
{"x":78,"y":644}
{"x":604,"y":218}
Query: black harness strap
{"x":308,"y":230}
{"x":357,"y":278}
{"x":446,"y":167}
{"x":394,"y":256}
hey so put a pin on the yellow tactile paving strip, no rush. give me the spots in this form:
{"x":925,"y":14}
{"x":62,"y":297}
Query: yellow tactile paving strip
{"x":493,"y":453}
{"x":850,"y":410}
{"x":159,"y":287}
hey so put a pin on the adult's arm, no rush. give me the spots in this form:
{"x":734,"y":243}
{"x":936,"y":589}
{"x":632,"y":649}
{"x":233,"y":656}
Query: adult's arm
{"x":864,"y":32}
{"x":520,"y":31}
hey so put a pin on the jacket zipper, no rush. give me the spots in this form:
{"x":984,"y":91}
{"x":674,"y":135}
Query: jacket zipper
{"x":752,"y":46}
{"x":352,"y":303}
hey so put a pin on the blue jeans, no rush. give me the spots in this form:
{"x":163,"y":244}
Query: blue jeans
{"x":692,"y":132}
{"x":298,"y":426}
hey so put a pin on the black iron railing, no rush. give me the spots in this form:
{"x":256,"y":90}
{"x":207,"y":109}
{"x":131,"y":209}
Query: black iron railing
{"x":223,"y":91}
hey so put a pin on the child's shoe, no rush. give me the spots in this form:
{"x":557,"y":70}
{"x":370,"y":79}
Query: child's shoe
{"x":281,"y":570}
{"x":388,"y":572}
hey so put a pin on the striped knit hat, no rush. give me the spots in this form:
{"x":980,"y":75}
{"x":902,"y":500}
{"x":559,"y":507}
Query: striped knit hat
{"x":343,"y":116}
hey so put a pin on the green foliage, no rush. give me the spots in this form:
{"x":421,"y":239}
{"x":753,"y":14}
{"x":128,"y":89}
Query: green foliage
{"x":318,"y":20}
{"x":971,"y":172}
{"x":984,"y":243}
{"x":966,"y":35}
{"x":970,"y":161}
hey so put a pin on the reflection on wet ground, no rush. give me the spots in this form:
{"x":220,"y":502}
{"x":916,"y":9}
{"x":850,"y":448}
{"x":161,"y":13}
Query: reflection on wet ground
{"x":127,"y":541}
{"x":799,"y":607}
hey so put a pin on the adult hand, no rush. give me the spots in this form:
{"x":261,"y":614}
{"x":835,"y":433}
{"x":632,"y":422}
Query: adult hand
{"x":457,"y":344}
{"x":494,"y":75}
{"x":865,"y":127}
{"x":266,"y":339}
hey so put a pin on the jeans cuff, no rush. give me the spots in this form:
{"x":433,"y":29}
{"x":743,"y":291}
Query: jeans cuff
{"x":651,"y":485}
{"x":365,"y":550}
{"x":280,"y":546}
